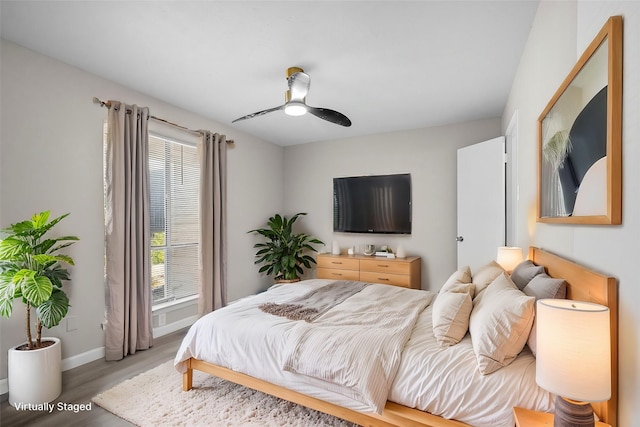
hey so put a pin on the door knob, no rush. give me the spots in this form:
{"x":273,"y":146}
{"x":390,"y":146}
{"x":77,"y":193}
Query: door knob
{"x":459,"y":239}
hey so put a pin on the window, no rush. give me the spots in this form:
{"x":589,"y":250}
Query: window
{"x":174,"y":184}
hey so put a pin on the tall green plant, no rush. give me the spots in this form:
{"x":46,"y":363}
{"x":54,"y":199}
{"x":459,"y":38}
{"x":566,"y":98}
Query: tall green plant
{"x":31,"y":269}
{"x":284,"y":253}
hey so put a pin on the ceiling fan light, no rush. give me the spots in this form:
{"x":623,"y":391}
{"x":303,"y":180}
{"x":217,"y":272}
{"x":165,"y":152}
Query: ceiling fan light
{"x":294,"y":108}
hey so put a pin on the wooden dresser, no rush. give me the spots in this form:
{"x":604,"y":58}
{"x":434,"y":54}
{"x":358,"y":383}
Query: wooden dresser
{"x":403,"y":272}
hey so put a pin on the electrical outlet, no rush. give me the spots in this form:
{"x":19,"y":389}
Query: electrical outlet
{"x":162,"y":319}
{"x":72,"y":323}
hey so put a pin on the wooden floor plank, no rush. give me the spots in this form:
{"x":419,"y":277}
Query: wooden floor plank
{"x":80,"y":384}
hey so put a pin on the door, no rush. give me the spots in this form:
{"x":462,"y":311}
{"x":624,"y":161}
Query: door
{"x":481,"y":202}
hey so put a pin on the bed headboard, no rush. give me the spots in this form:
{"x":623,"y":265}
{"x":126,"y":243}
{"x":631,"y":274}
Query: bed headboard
{"x":584,"y":284}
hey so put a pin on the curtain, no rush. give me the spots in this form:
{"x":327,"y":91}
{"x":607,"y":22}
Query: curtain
{"x":127,"y":232}
{"x":212,"y":151}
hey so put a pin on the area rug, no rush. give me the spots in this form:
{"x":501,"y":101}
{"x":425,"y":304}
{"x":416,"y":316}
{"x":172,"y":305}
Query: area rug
{"x":155,"y":398}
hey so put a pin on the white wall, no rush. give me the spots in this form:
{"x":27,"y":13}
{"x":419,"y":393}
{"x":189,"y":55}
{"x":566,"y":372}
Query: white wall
{"x":428,"y":154}
{"x":561,"y":32}
{"x":51,"y":158}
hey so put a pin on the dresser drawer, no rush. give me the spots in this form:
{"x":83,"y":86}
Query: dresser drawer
{"x":403,"y":272}
{"x":386,"y":278}
{"x":334,"y":273}
{"x":385,"y":266}
{"x":340,"y":263}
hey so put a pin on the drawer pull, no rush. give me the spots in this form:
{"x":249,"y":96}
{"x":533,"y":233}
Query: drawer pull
{"x":337,"y":274}
{"x":384,"y":279}
{"x":383,"y":265}
{"x":336,"y":262}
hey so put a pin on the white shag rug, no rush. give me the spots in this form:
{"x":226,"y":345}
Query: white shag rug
{"x":155,"y":398}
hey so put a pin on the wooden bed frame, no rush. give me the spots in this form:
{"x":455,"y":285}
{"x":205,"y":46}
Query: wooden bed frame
{"x":583,"y":284}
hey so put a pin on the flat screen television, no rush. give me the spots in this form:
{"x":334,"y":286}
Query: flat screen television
{"x":372,"y":204}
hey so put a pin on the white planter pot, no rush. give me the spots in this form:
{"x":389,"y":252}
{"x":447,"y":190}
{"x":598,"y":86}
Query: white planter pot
{"x":35,"y":376}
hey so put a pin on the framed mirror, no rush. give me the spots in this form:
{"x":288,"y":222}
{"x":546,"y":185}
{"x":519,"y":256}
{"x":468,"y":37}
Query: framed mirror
{"x":580,"y":138}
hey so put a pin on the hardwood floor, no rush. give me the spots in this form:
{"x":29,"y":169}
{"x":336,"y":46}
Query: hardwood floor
{"x":80,"y":384}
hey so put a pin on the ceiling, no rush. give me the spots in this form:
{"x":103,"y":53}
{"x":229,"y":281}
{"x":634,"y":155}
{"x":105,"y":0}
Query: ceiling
{"x":387,"y":65}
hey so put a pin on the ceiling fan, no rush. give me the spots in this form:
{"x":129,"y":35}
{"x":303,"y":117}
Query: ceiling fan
{"x":295,"y":104}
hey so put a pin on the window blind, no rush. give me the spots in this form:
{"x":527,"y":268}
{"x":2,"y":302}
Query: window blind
{"x":174,"y":182}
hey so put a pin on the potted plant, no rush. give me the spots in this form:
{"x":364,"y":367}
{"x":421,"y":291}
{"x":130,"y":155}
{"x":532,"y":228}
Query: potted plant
{"x":31,"y":270}
{"x":284,"y":252}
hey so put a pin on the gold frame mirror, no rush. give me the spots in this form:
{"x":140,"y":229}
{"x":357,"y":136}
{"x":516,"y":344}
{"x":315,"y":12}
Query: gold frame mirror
{"x":580,"y":138}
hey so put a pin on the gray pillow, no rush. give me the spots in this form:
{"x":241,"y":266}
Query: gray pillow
{"x":543,"y":286}
{"x":524,"y":272}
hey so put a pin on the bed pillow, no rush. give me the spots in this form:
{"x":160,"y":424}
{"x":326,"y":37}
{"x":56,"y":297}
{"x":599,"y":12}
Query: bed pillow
{"x":451,"y":311}
{"x":524,"y":272}
{"x":485,"y":275}
{"x":542,"y":286}
{"x":500,"y":324}
{"x":462,"y":275}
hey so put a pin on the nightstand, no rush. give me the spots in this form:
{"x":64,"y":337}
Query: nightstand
{"x":527,"y":418}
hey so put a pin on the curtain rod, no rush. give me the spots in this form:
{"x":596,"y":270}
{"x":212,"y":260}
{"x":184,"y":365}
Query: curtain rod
{"x":107,"y":104}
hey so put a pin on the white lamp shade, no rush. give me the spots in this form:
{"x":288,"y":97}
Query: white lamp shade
{"x":573,"y":357}
{"x":508,"y":257}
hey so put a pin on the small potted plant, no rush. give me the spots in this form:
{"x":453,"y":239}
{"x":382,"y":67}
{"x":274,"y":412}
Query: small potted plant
{"x":31,"y":270}
{"x":284,"y":253}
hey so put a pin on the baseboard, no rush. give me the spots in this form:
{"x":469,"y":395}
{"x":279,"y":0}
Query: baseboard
{"x":175,"y":326}
{"x":82,"y":358}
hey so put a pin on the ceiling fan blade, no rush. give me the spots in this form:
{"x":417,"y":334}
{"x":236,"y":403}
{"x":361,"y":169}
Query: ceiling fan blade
{"x":259,"y":113}
{"x":330,"y":116}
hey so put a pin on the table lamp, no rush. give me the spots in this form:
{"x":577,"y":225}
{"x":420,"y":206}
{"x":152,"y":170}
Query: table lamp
{"x":573,"y":358}
{"x":508,"y":257}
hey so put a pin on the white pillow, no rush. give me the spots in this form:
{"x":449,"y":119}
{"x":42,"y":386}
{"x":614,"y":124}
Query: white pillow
{"x":500,"y":324}
{"x":451,"y":311}
{"x":485,"y":275}
{"x":462,"y":275}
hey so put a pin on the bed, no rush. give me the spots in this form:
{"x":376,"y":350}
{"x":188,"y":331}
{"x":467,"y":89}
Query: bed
{"x":413,"y":398}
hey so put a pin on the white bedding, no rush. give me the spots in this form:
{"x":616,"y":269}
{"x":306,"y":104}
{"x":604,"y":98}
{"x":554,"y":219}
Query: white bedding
{"x":442,"y":381}
{"x":333,"y":347}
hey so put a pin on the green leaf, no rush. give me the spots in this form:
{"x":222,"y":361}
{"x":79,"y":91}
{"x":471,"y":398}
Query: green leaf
{"x":44,"y":246}
{"x":12,"y":246}
{"x":41,"y":231}
{"x":7,"y":294}
{"x":64,"y":258}
{"x":264,"y":268}
{"x":310,"y":258}
{"x":8,"y":267}
{"x":57,"y":274}
{"x":40,"y":220}
{"x":53,"y":310}
{"x":44,"y":259}
{"x":67,"y":238}
{"x":24,"y":274}
{"x":24,"y":227}
{"x":6,"y":307}
{"x":36,"y":290}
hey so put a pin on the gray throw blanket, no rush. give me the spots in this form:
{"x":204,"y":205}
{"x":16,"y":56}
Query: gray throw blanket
{"x":311,"y":305}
